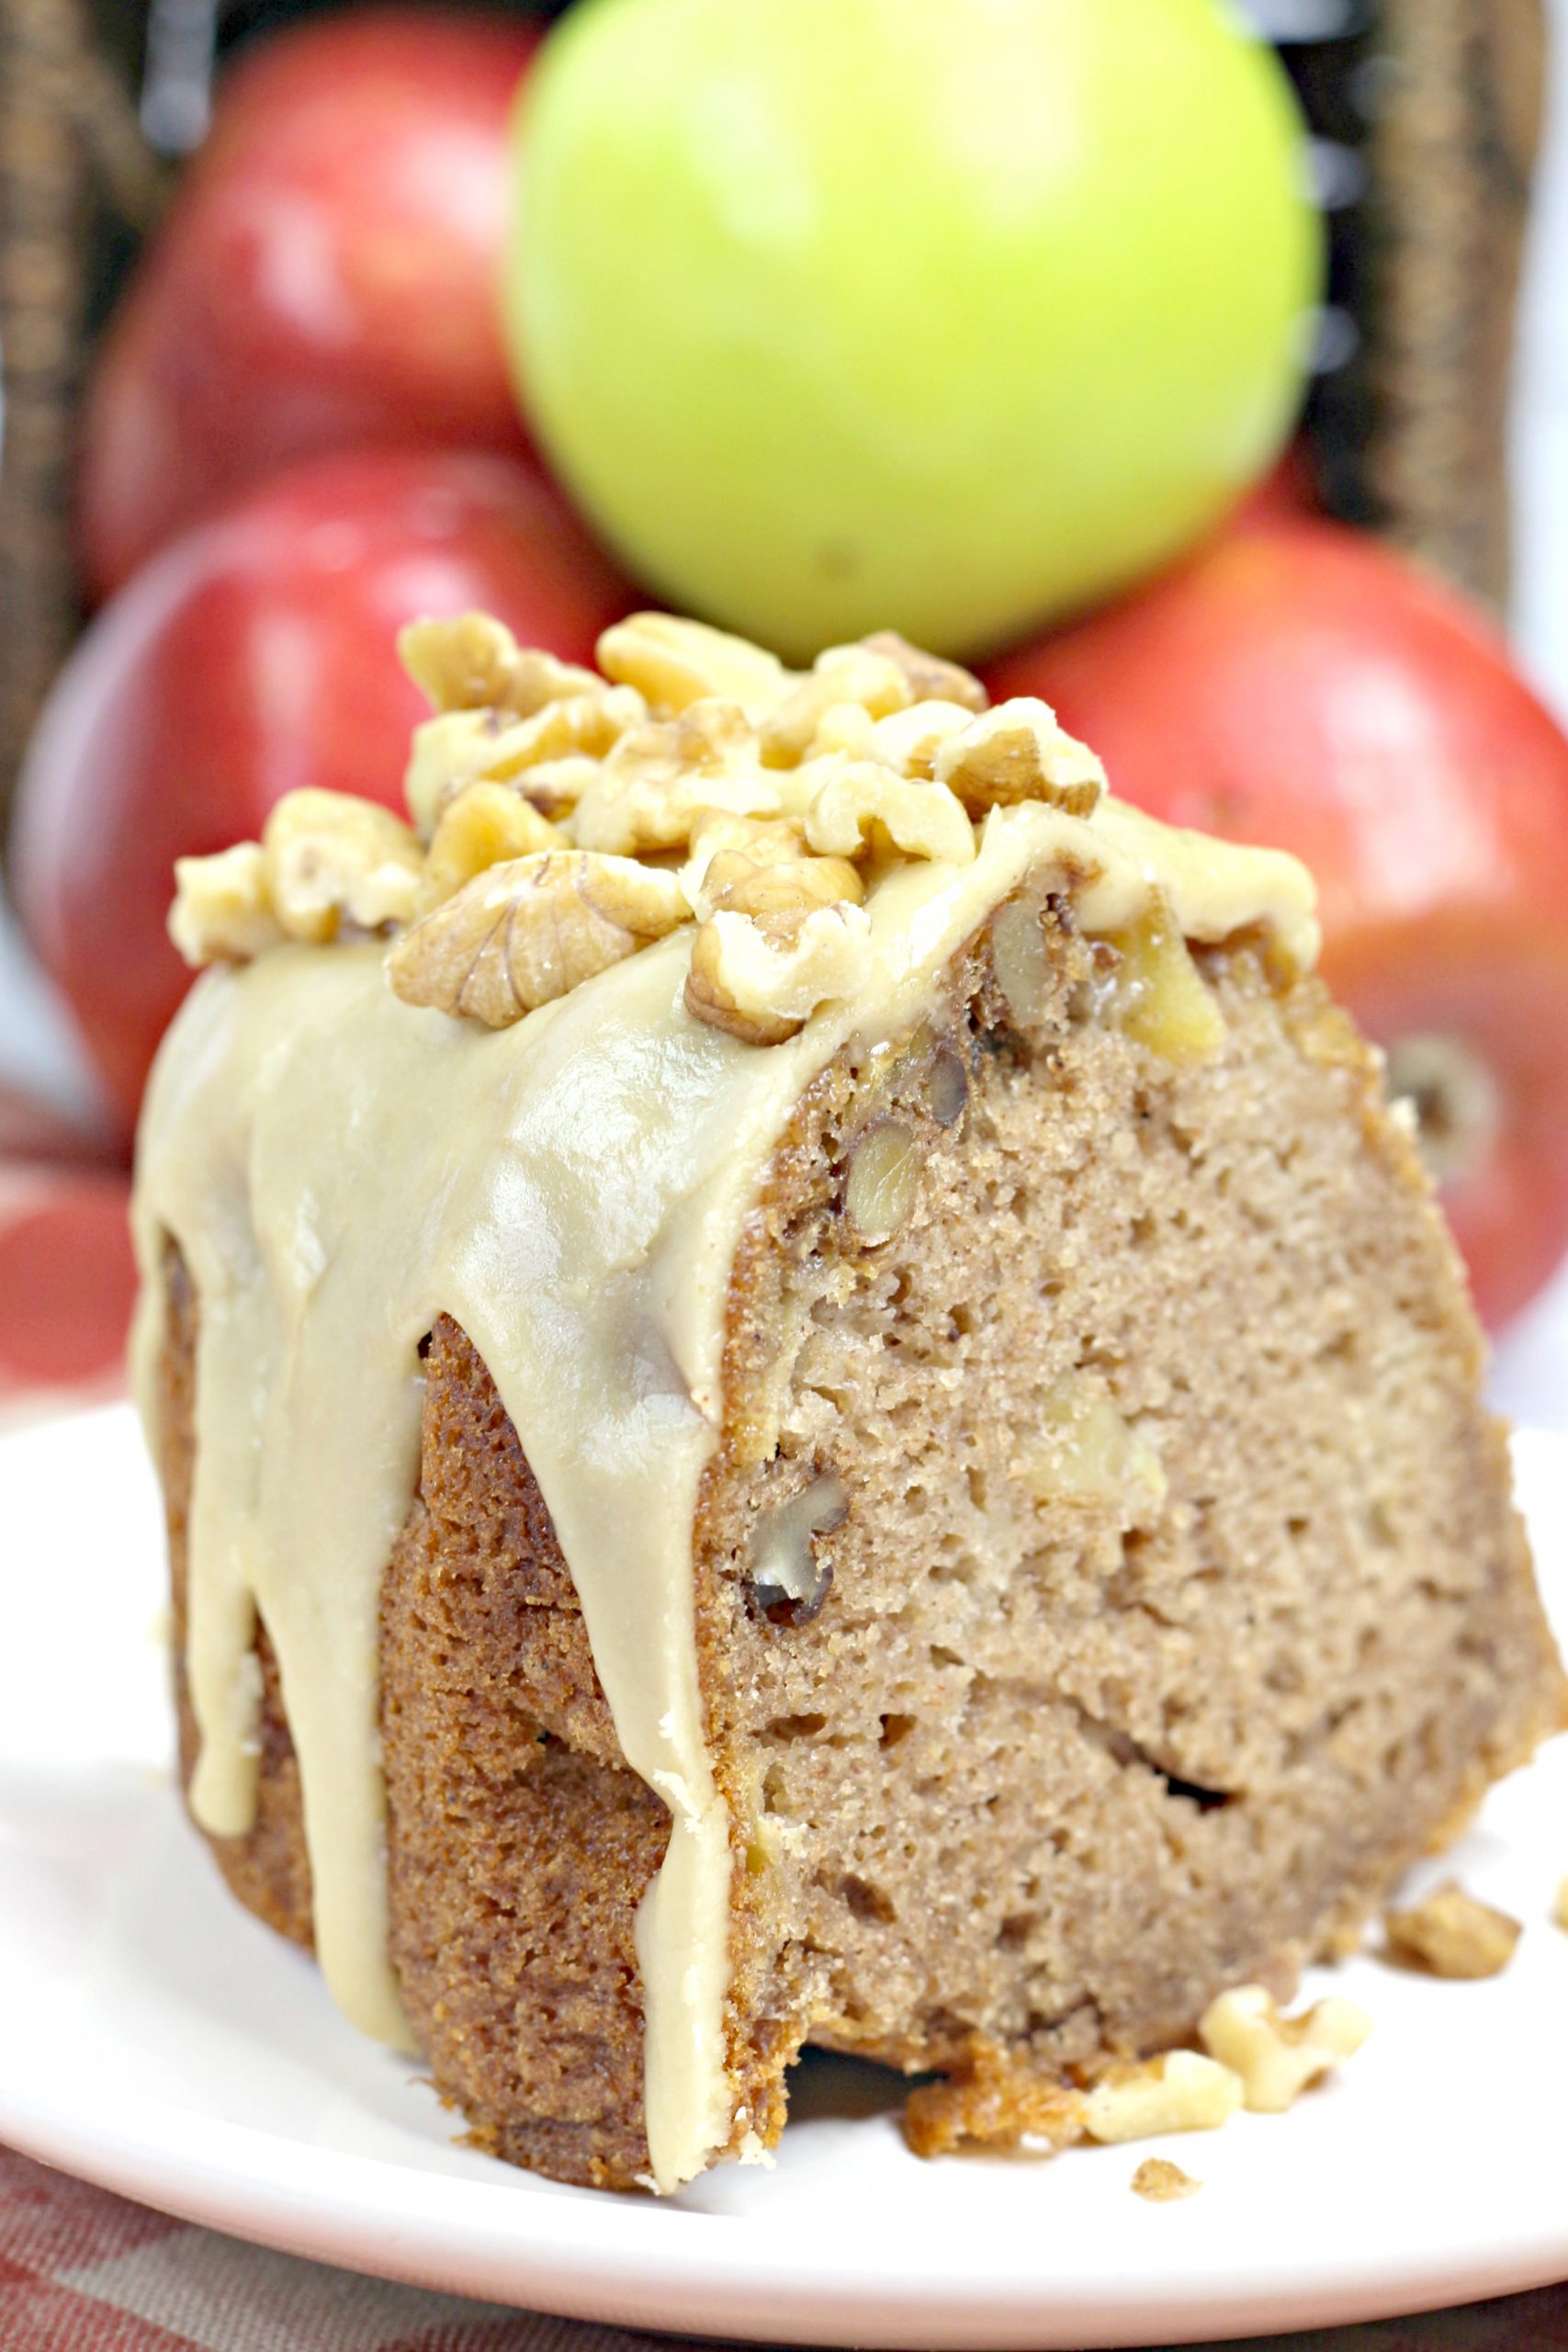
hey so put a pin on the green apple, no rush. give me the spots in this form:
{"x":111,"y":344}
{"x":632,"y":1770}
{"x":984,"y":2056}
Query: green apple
{"x":941,"y":315}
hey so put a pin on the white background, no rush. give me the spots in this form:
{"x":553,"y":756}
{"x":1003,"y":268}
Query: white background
{"x":1530,"y":1376}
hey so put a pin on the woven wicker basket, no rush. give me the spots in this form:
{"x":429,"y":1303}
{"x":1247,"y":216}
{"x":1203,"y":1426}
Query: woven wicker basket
{"x":1426,"y":113}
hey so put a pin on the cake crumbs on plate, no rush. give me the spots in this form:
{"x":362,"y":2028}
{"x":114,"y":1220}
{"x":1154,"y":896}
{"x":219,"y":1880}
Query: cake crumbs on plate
{"x":1160,"y":2182}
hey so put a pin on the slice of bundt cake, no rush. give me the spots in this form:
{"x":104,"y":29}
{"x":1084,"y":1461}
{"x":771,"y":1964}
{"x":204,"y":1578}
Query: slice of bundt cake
{"x":805,"y":1394}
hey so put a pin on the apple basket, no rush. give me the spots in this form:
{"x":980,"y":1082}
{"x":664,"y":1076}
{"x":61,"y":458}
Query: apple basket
{"x":1425,"y":116}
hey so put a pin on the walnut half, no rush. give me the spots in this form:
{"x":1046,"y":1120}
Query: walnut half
{"x":530,"y":930}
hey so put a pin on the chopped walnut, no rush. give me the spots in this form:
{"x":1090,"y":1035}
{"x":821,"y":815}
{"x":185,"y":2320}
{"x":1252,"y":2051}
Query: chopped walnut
{"x":1277,"y":2057}
{"x":846,"y":728}
{"x":789,"y":1575}
{"x":884,"y":1180}
{"x":910,"y":740}
{"x":484,"y":826}
{"x":658,"y":779}
{"x":1155,"y":993}
{"x":674,"y":663}
{"x":1453,"y":1935}
{"x":463,"y":664}
{"x":1022,"y":961}
{"x":928,"y":676}
{"x":1017,"y":751}
{"x":745,"y":886}
{"x":991,"y":2101}
{"x":1082,"y":1451}
{"x":1180,"y":2091}
{"x":222,"y":910}
{"x":531,"y":929}
{"x":844,"y":674}
{"x":473,"y":662}
{"x":555,"y":786}
{"x":333,"y":861}
{"x":860,"y":806}
{"x":588,"y":726}
{"x":447,"y":753}
{"x":764,"y":840}
{"x":464,"y":747}
{"x":760,"y":978}
{"x":1161,"y":2182}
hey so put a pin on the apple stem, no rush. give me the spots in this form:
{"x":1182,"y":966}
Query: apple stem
{"x":1455,"y":1099}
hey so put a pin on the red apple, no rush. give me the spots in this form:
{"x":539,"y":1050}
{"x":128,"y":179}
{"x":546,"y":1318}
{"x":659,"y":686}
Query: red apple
{"x":67,"y":1280}
{"x":255,"y":654}
{"x":326,"y":277}
{"x":36,"y":1132}
{"x":1299,"y":684}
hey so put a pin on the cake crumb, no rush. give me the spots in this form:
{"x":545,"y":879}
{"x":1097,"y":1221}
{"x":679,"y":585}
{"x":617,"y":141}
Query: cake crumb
{"x":992,"y":2101}
{"x":1162,"y":2183}
{"x":1453,"y":1935}
{"x":1560,"y":1908}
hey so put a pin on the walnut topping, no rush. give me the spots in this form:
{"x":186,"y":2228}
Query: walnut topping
{"x":1277,"y":2057}
{"x":474,"y":663}
{"x":761,"y":841}
{"x":793,"y":797}
{"x":659,"y":780}
{"x":845,"y":729}
{"x":463,"y":746}
{"x":1453,"y":1935}
{"x":484,"y":826}
{"x":844,"y":674}
{"x":459,"y":664}
{"x":445,"y":754}
{"x":222,"y":910}
{"x":674,"y":663}
{"x":531,"y":929}
{"x":862,"y":805}
{"x":761,"y":978}
{"x":910,"y":740}
{"x":929,"y":677}
{"x":333,"y":861}
{"x":1017,"y":751}
{"x":779,"y":887}
{"x":1162,"y":2183}
{"x":1180,"y":2091}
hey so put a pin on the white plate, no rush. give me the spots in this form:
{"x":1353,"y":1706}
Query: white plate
{"x":156,"y":2039}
